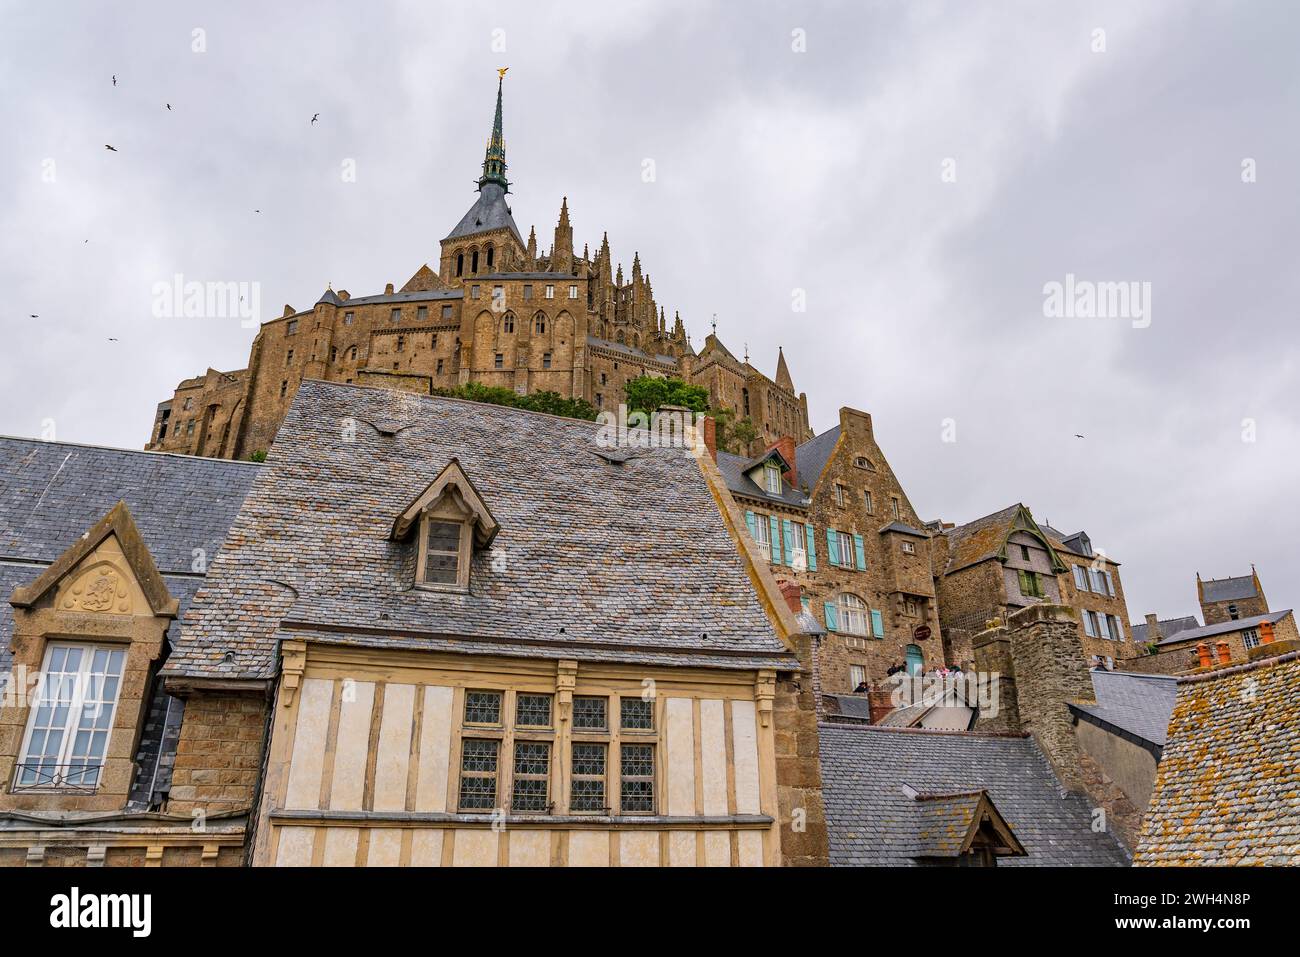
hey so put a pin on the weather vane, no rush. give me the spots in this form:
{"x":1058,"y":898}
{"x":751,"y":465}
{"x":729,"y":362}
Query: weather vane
{"x":715,"y":323}
{"x":501,"y":72}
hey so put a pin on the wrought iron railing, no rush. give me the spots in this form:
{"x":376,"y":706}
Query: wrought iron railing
{"x":56,"y":777}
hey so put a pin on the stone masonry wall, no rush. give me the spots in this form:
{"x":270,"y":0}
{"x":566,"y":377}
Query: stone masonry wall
{"x":219,"y":754}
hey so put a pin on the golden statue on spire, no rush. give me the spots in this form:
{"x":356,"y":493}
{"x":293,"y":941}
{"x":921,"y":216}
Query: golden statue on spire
{"x":501,"y":72}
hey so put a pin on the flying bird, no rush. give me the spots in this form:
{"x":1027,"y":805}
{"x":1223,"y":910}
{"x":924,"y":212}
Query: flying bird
{"x":34,"y":316}
{"x":113,"y":148}
{"x":169,"y":106}
{"x":111,"y":339}
{"x":315,"y":117}
{"x":1077,"y":435}
{"x":115,"y":79}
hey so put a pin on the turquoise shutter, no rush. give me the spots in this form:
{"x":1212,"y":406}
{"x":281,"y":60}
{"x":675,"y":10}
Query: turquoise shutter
{"x":774,"y":531}
{"x":812,"y":548}
{"x":807,"y":605}
{"x":753,"y":526}
{"x":787,"y":532}
{"x":832,"y":619}
{"x":877,"y":624}
{"x":860,"y":553}
{"x":832,"y":549}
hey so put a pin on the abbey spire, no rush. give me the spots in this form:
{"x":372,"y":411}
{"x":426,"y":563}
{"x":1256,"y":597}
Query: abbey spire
{"x":494,"y":160}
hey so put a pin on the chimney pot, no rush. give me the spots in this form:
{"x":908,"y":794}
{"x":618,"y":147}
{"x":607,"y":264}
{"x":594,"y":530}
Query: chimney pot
{"x":1265,"y":632}
{"x":711,"y":436}
{"x":879,"y":705}
{"x":1153,"y":628}
{"x":1225,"y":656}
{"x":1203,"y":653}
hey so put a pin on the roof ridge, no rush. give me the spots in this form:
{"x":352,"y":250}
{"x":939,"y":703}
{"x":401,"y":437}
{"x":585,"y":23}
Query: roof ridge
{"x":1240,"y":668}
{"x":114,"y":448}
{"x":991,"y":735}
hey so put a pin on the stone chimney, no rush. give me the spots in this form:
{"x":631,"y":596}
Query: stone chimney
{"x":711,"y":436}
{"x":1153,"y":628}
{"x":793,"y":594}
{"x":881,"y":703}
{"x":1038,"y":657}
{"x":785,"y":445}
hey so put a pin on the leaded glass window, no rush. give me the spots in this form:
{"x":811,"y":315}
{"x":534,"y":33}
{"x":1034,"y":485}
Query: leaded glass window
{"x":533,"y":710}
{"x":588,"y":788}
{"x":482,"y":707}
{"x":589,"y":714}
{"x":478,"y":774}
{"x":532,"y":776}
{"x":638,"y":778}
{"x":637,"y":714}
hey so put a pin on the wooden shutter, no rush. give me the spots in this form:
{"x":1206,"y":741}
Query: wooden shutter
{"x":877,"y":624}
{"x":832,"y":619}
{"x":832,"y":547}
{"x":753,"y":526}
{"x":774,"y":525}
{"x":787,"y":530}
{"x":812,"y":547}
{"x":860,"y":553}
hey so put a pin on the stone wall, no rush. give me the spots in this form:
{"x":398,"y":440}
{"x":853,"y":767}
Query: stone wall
{"x":804,"y":840}
{"x":219,"y":754}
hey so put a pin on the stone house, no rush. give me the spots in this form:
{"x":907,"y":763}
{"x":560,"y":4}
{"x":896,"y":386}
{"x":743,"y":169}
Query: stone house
{"x":101,"y":553}
{"x":493,"y":309}
{"x":484,"y":647}
{"x":988,"y":569}
{"x":1228,"y":599}
{"x":831,"y":516}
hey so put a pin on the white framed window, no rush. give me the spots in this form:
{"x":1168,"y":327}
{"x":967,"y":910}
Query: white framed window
{"x":550,"y":292}
{"x":911,"y":608}
{"x":871,"y":508}
{"x":857,"y":676}
{"x":573,"y":292}
{"x":1251,"y":638}
{"x":839,"y":495}
{"x":852,"y":614}
{"x":909,"y":548}
{"x":1081,"y":578}
{"x":763,"y":534}
{"x":1116,"y":628}
{"x":1090,"y":624}
{"x":844,"y":542}
{"x":772,"y":477}
{"x":894,"y":507}
{"x":72,"y":717}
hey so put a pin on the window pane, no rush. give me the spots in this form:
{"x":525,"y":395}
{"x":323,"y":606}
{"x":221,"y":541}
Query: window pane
{"x":533,"y":710}
{"x":531,"y":779}
{"x":482,"y":707}
{"x":478,"y":777}
{"x":444,"y":537}
{"x":588,"y":790}
{"x":589,"y":714}
{"x":637,"y":714}
{"x":638,"y":778}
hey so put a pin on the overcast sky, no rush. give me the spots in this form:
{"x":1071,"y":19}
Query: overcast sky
{"x":795,"y":147}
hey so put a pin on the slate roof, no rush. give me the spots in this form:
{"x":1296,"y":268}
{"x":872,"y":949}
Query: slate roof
{"x":1224,"y":627}
{"x":979,"y":540}
{"x":51,"y":493}
{"x":1168,"y":626}
{"x":490,"y":211}
{"x":874,"y":821}
{"x":1227,"y":789}
{"x":626,"y":349}
{"x":733,"y":468}
{"x":1137,"y":703}
{"x":415,"y":295}
{"x":904,"y":529}
{"x":1229,"y":589}
{"x":594,"y":560}
{"x":811,"y":456}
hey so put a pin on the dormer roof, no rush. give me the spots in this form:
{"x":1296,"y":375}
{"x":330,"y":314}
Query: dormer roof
{"x":451,"y":481}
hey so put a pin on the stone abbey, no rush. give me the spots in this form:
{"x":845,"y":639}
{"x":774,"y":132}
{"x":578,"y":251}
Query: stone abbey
{"x":496,"y":311}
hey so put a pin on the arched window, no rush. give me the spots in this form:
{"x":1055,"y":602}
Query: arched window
{"x":473,"y":262}
{"x":853,"y":614}
{"x":539,"y":324}
{"x":490,"y":251}
{"x":460,"y":264}
{"x":508,"y":323}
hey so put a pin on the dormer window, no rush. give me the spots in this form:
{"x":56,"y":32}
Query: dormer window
{"x":452,"y":522}
{"x":445,"y":554}
{"x":772,"y":477}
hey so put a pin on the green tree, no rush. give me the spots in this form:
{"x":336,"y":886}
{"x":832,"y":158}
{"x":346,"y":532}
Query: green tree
{"x":648,"y":394}
{"x":550,"y":402}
